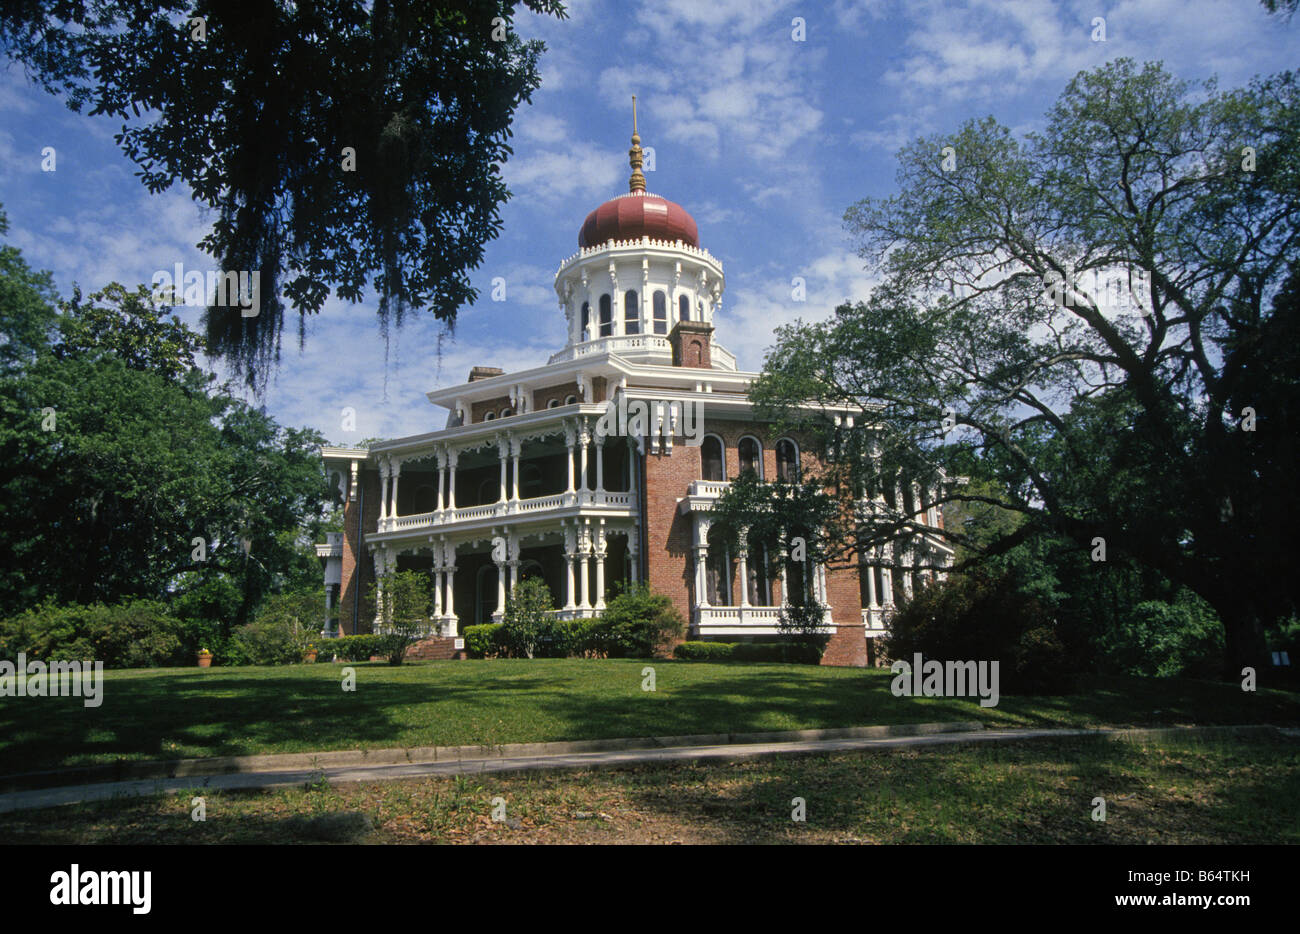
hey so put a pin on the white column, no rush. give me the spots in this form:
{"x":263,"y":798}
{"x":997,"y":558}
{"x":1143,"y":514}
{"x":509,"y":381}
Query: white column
{"x":742,"y":556}
{"x":451,"y":629}
{"x":701,"y":563}
{"x":600,"y":566}
{"x":516,"y":448}
{"x":442,"y":477}
{"x":569,"y":555}
{"x":437,"y":580}
{"x":785,"y":576}
{"x":584,"y":439}
{"x":502,"y":453}
{"x":600,"y":465}
{"x":568,"y":443}
{"x":872,"y":599}
{"x":381,"y":568}
{"x":397,"y":472}
{"x":633,"y":552}
{"x":584,"y":554}
{"x":383,"y":490}
{"x":501,"y":591}
{"x":452,"y":458}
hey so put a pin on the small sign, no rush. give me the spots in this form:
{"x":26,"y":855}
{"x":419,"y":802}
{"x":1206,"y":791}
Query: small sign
{"x":460,"y":643}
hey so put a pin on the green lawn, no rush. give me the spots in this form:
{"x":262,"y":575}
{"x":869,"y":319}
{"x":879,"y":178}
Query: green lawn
{"x":1239,"y":790}
{"x":174,"y":713}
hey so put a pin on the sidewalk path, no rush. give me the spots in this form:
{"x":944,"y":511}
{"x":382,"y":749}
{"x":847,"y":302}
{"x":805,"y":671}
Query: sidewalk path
{"x":284,"y":778}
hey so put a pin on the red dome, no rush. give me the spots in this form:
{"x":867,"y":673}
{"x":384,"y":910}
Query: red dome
{"x":636,"y":215}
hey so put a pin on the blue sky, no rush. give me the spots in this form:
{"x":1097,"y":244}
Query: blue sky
{"x":764,"y":139}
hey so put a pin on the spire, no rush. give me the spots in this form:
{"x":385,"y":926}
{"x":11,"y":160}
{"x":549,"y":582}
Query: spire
{"x":637,"y":181}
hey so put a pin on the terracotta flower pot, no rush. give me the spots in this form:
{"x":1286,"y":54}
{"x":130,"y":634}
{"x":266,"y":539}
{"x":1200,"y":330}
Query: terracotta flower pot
{"x":310,"y":658}
{"x":205,"y":661}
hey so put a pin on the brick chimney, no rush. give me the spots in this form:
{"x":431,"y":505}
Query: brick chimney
{"x":691,"y":342}
{"x":484,"y":372}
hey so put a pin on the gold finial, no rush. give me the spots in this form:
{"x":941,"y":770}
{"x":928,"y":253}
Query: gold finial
{"x":637,"y":181}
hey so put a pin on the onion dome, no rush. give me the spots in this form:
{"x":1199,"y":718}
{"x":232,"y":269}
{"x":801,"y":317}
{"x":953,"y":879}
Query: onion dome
{"x":638,"y":213}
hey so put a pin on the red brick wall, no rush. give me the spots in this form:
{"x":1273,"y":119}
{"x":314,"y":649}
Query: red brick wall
{"x":847,"y":648}
{"x":353,"y":550}
{"x":668,"y":535}
{"x":542,"y":397}
{"x":478,"y":409}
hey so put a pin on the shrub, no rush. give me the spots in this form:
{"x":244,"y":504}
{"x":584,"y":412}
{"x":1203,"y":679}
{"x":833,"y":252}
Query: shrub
{"x":712,"y":651}
{"x":1164,"y":640}
{"x":527,"y":621}
{"x":133,"y":634}
{"x":280,"y":633}
{"x":485,"y":641}
{"x":408,"y":601}
{"x":981,"y":617}
{"x":807,"y":653}
{"x":639,"y":623}
{"x":356,"y":648}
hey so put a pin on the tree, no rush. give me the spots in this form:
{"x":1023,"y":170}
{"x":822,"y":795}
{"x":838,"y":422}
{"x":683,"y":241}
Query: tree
{"x":406,"y":605}
{"x":528,"y":617}
{"x":1071,"y":313}
{"x":27,"y":307}
{"x":340,"y":144}
{"x":126,"y":474}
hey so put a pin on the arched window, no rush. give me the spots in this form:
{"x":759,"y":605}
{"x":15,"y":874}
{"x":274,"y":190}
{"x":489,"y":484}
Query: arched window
{"x":751,"y":456}
{"x":661,"y":313}
{"x":606,"y":317}
{"x":586,"y":318}
{"x":506,"y":413}
{"x":787,"y":461}
{"x":683,"y":309}
{"x":553,"y":403}
{"x":631,"y":313}
{"x":711,"y":457}
{"x":571,"y":400}
{"x":488,"y":416}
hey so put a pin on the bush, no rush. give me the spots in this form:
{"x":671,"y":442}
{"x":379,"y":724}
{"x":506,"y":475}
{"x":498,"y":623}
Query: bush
{"x":279,"y":635}
{"x":639,"y":623}
{"x":703,"y":651}
{"x":357,"y":648}
{"x":578,"y":638}
{"x":806,"y":653}
{"x":485,"y":641}
{"x":979,"y":617}
{"x":1165,"y":640}
{"x":527,"y":621}
{"x":133,"y":634}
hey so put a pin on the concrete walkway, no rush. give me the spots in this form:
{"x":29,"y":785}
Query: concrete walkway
{"x":918,"y":735}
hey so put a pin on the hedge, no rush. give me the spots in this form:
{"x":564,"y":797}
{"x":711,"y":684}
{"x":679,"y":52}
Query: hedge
{"x":484,"y":640}
{"x":801,"y":652}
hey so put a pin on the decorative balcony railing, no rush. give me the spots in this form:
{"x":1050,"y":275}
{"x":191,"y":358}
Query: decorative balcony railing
{"x":583,"y":499}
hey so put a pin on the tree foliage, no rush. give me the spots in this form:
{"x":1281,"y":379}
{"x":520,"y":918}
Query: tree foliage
{"x":341,"y":145}
{"x":1107,"y":408}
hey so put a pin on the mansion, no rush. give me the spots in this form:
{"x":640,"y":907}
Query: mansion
{"x":532,"y":476}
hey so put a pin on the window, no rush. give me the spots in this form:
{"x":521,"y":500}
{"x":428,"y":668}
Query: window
{"x":489,"y":416}
{"x":661,"y":313}
{"x":711,"y":455}
{"x":631,"y":313}
{"x":751,"y":456}
{"x":683,"y":309}
{"x":571,"y":400}
{"x":606,"y":317}
{"x":505,"y":413}
{"x":787,"y":461}
{"x":586,"y":318}
{"x":553,"y":403}
{"x":760,"y":585}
